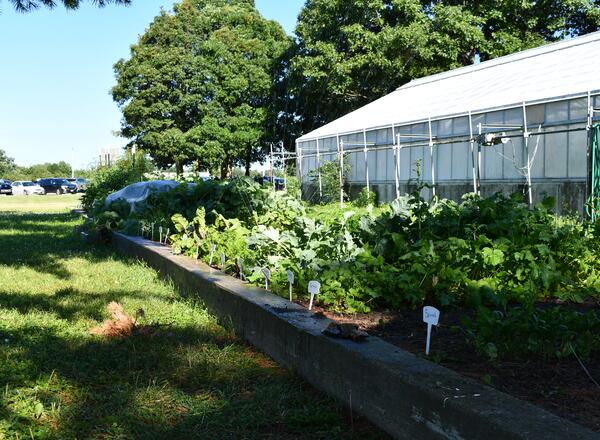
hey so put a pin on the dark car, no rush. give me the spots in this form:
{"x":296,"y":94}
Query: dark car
{"x":57,"y":186}
{"x":80,"y":183}
{"x":5,"y":187}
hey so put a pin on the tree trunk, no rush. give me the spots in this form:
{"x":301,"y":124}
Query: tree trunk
{"x":178,"y":168}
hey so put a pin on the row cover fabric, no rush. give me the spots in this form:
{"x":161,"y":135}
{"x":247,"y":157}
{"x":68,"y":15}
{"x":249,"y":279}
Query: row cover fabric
{"x":137,"y":194}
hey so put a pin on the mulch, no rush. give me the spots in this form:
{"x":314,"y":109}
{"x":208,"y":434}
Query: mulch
{"x":560,"y":386}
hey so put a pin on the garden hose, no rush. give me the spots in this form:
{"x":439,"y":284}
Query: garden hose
{"x":593,"y":201}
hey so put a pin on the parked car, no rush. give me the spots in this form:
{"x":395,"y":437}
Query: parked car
{"x":80,"y":183}
{"x":5,"y":187}
{"x":57,"y":186}
{"x":26,"y":188}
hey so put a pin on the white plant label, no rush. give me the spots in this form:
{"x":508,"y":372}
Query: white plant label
{"x":290,"y":275}
{"x":314,"y":287}
{"x":222,"y":261}
{"x":167,"y":235}
{"x":212,"y":254}
{"x":241,"y":266}
{"x":267,"y":273}
{"x":160,"y":235}
{"x":431,"y":316}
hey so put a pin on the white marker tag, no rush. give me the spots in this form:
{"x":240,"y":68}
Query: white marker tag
{"x":212,"y":254}
{"x":222,"y":261}
{"x":314,"y":287}
{"x":431,"y":316}
{"x":290,"y":275}
{"x":267,"y":273}
{"x":241,"y":266}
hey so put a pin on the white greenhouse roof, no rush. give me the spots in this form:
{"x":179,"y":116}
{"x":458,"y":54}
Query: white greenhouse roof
{"x":567,"y":68}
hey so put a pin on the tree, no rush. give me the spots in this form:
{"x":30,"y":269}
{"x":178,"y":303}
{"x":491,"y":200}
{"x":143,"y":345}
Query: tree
{"x":7,"y":164}
{"x":28,"y":5}
{"x":198,"y":86}
{"x":351,"y":52}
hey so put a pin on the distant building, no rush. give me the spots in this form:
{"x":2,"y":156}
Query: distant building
{"x":109,"y":156}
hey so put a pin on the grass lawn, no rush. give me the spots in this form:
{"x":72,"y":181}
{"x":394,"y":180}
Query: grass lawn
{"x":195,"y":379}
{"x":42,"y":204}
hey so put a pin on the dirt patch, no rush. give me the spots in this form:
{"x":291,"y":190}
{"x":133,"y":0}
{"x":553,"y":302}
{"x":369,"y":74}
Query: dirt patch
{"x":561,"y":387}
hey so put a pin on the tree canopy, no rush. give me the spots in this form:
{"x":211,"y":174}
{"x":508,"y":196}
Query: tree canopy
{"x":351,"y":52}
{"x":7,"y":164}
{"x":199,"y":83}
{"x":28,"y":5}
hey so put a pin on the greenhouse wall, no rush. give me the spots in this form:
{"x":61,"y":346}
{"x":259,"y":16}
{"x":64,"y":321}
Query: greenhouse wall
{"x":558,"y":169}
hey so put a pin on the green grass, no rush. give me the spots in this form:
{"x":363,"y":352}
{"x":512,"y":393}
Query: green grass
{"x":42,"y":204}
{"x":195,"y":379}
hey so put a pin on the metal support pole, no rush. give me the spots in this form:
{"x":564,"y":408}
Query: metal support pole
{"x":319,"y":171}
{"x":341,"y":151}
{"x":272,"y":176}
{"x":526,"y":140}
{"x":431,"y":157}
{"x":396,"y":160}
{"x":284,"y":168}
{"x":472,"y":152}
{"x":480,"y":131}
{"x":299,"y":161}
{"x":366,"y":158}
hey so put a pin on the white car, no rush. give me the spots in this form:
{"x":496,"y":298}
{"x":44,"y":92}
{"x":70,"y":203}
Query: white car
{"x":26,"y":188}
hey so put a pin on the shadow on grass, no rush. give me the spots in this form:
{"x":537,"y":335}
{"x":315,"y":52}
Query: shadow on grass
{"x":184,"y":383}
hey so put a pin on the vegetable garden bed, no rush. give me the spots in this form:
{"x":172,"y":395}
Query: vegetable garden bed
{"x":487,"y":263}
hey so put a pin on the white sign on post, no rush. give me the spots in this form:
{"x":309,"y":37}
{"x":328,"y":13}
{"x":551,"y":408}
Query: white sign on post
{"x":267,"y":274}
{"x":431,"y":316}
{"x":223,"y":261}
{"x":160,"y":234}
{"x":314,"y":287}
{"x":290,"y":275}
{"x":241,"y":266}
{"x":213,"y":248}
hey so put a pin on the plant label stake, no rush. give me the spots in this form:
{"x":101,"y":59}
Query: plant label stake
{"x":314,"y":287}
{"x":160,"y":234}
{"x":223,"y":261}
{"x":290,"y":275}
{"x":213,"y":248}
{"x":167,"y":235}
{"x":267,"y":274}
{"x":431,"y":316}
{"x":241,"y":266}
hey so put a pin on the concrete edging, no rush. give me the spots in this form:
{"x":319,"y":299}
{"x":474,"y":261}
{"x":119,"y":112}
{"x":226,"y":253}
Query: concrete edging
{"x":406,"y":396}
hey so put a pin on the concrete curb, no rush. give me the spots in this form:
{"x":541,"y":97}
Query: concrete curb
{"x":406,"y":396}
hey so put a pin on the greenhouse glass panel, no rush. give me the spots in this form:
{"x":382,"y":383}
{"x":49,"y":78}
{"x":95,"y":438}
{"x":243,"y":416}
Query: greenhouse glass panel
{"x":557,"y":111}
{"x":578,"y":154}
{"x":556,"y":155}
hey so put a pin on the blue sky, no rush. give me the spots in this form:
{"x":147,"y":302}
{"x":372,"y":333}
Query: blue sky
{"x":56,"y":74}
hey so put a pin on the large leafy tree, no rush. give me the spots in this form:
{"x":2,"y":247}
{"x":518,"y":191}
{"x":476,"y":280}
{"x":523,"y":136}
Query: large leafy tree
{"x":28,"y":5}
{"x":198,"y":87}
{"x":351,"y":52}
{"x":7,"y":164}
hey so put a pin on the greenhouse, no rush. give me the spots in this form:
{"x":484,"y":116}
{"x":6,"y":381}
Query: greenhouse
{"x":519,"y":123}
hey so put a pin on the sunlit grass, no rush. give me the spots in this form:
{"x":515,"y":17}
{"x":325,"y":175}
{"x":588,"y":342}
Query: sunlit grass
{"x":49,"y":203}
{"x":194,"y":379}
